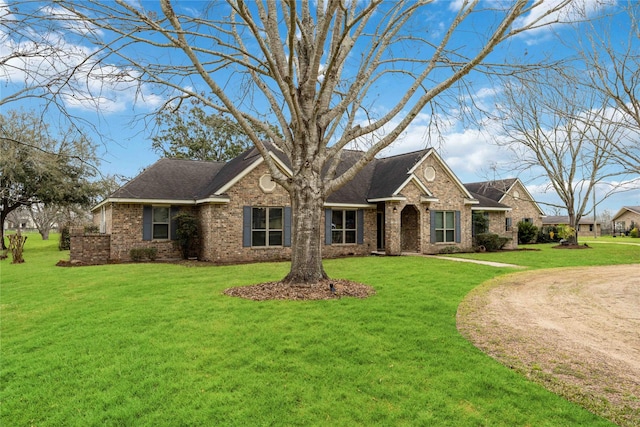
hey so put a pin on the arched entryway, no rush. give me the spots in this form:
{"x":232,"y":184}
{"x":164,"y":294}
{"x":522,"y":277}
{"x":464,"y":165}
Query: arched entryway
{"x":410,"y":229}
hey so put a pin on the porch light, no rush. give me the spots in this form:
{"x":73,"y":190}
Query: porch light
{"x":395,"y":209}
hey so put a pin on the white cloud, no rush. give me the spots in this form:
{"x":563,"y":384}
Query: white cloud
{"x":47,"y":61}
{"x":573,"y":12}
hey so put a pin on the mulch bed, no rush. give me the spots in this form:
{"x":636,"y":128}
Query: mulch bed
{"x":572,"y":247}
{"x":316,"y":291}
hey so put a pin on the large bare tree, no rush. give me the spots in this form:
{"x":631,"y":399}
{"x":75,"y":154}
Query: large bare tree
{"x":612,"y":60}
{"x":311,"y":67}
{"x":553,"y":125}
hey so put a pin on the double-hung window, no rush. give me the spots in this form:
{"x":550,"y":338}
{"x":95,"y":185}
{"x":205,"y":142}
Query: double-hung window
{"x":343,"y":226}
{"x":160,"y":222}
{"x":266,"y":226}
{"x":445,"y":226}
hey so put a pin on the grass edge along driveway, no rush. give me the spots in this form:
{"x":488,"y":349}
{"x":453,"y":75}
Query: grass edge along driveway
{"x":159,"y":344}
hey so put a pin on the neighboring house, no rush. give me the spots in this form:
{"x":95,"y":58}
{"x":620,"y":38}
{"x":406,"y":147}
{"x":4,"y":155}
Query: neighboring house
{"x":626,"y":219}
{"x":505,"y":203}
{"x":406,"y":203}
{"x":585,"y":225}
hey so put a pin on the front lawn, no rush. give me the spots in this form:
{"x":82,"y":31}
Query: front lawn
{"x":159,"y":344}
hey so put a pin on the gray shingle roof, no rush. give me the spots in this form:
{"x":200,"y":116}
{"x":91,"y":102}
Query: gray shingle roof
{"x":170,"y":179}
{"x":486,"y":203}
{"x":188,"y":180}
{"x":564,"y":219}
{"x":493,"y":190}
{"x":354,"y":191}
{"x":391,"y":172}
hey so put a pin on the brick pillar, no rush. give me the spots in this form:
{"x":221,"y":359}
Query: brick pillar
{"x":392,"y":228}
{"x":77,"y":243}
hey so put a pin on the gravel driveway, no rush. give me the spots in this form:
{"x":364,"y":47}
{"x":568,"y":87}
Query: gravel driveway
{"x":575,"y":330}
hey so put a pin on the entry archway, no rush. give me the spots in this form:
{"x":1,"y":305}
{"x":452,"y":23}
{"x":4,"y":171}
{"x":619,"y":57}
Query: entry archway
{"x":410,"y":229}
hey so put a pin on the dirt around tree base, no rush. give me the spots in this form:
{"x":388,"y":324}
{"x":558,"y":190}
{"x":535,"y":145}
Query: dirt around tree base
{"x":575,"y":331}
{"x":316,"y":291}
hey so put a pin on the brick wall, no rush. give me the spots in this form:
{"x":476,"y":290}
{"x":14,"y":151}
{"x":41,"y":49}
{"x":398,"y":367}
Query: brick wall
{"x":89,"y":249}
{"x":126,"y":234}
{"x":521,"y":206}
{"x":221,"y":225}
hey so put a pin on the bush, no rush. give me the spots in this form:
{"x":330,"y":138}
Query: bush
{"x":186,"y":234}
{"x":65,"y":238}
{"x":567,"y":233}
{"x":548,"y":234}
{"x":635,"y":233}
{"x":91,"y":229}
{"x":490,"y":242}
{"x":527,"y":232}
{"x":449,"y":250}
{"x":138,"y":254}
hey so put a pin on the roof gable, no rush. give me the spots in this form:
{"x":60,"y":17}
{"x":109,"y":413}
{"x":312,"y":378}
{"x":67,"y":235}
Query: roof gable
{"x":498,"y":190}
{"x":237,"y":168}
{"x":624,"y":209}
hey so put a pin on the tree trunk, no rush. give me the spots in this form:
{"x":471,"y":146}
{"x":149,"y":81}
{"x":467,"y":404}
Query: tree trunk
{"x":44,"y":233}
{"x":306,"y":231}
{"x":3,"y":217}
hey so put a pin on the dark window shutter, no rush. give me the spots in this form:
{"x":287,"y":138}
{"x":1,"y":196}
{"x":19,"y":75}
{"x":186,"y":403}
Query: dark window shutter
{"x":287,"y":226}
{"x":147,"y":212}
{"x":175,"y":210}
{"x":432,"y":230}
{"x":458,"y":230}
{"x":360,"y":226}
{"x":246,"y":226}
{"x":327,"y":226}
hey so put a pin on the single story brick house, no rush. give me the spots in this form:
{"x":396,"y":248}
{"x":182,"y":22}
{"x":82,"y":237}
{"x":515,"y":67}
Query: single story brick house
{"x":626,"y":219}
{"x":586,"y":226}
{"x":411,"y":202}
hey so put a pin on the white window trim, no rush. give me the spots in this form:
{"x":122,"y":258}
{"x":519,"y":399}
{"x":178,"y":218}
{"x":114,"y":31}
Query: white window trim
{"x":267,"y":229}
{"x":344,"y":230}
{"x":444,"y":229}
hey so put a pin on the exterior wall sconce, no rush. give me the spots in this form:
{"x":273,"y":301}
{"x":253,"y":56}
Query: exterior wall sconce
{"x":395,"y":209}
{"x":426,"y":209}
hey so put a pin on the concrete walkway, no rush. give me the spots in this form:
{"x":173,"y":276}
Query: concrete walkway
{"x":476,"y":261}
{"x":472,"y":261}
{"x":609,"y":243}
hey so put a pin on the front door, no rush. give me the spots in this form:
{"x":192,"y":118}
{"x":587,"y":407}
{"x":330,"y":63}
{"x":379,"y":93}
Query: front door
{"x":380,"y":230}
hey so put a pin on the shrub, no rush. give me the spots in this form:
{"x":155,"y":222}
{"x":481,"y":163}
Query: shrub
{"x":527,"y":232}
{"x":449,"y":250}
{"x":567,"y":233}
{"x":138,"y":254}
{"x":635,"y":233}
{"x":91,"y":229}
{"x":186,"y":234}
{"x":490,"y":242}
{"x":65,"y":238}
{"x":548,"y":234}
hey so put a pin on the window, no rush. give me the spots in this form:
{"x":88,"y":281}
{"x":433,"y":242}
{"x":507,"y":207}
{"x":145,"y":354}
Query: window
{"x":445,"y":227}
{"x":508,"y":224}
{"x":266,"y":226}
{"x":160,"y":222}
{"x":527,"y":220}
{"x":343,"y":226}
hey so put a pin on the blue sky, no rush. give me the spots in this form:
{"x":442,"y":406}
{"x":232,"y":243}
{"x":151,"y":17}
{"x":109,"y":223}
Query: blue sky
{"x":123,"y":126}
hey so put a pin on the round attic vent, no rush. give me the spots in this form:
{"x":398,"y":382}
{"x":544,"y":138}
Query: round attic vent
{"x":266,"y":184}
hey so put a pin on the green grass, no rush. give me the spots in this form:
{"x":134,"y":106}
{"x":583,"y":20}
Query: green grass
{"x":545,"y":256}
{"x":159,"y":344}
